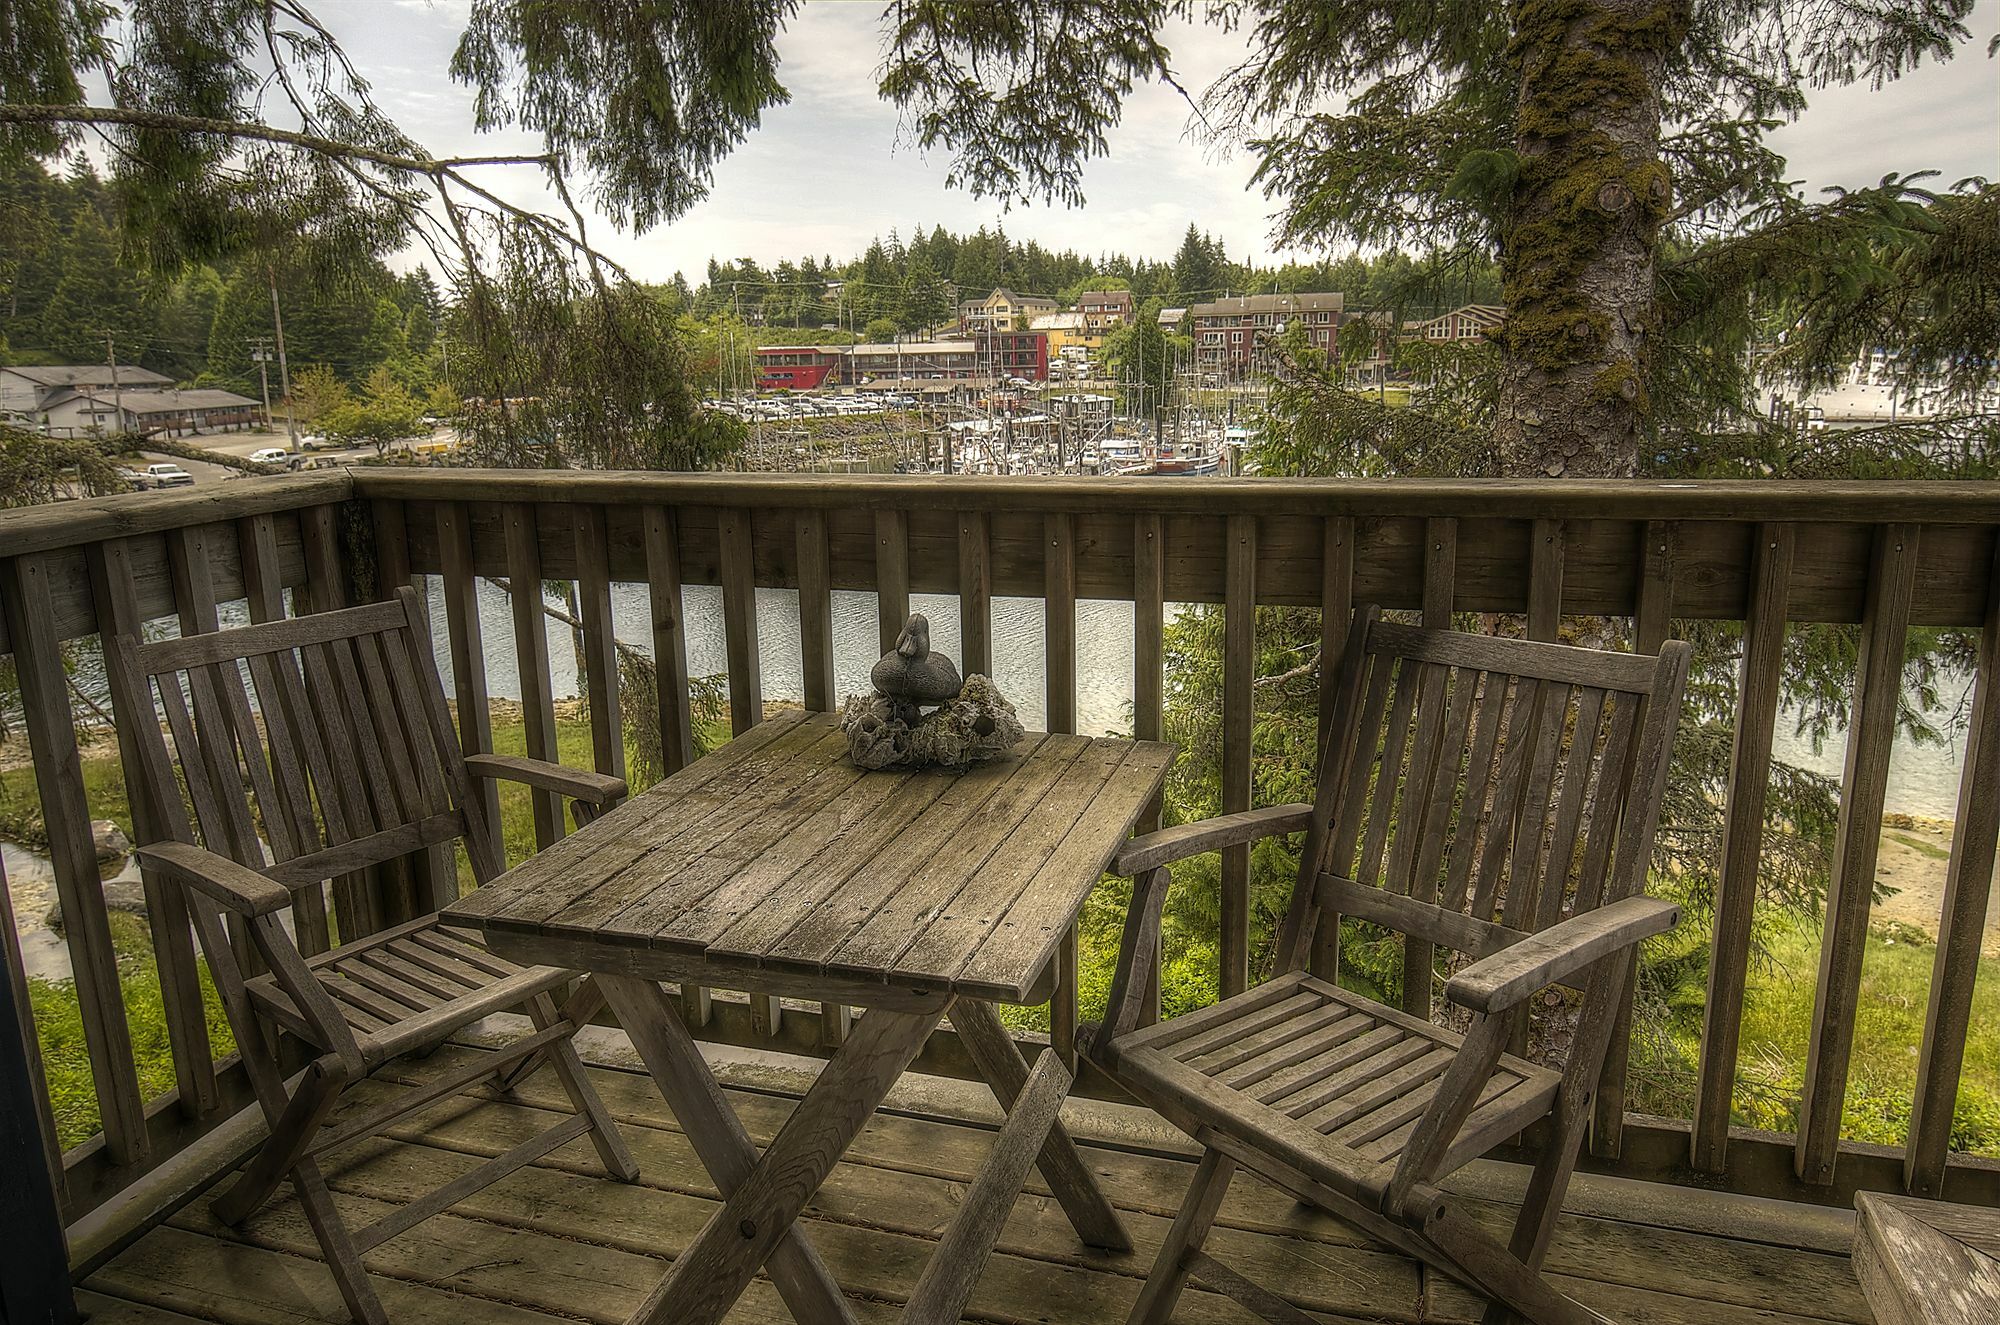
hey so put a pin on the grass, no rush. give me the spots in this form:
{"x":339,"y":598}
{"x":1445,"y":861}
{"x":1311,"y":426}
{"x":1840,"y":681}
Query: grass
{"x":1889,"y":1028}
{"x":1777,"y":1021}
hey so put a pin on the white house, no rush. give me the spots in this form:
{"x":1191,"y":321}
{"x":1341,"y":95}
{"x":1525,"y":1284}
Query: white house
{"x":25,"y":392}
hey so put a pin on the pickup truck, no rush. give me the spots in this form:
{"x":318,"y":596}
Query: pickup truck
{"x":168,"y":475}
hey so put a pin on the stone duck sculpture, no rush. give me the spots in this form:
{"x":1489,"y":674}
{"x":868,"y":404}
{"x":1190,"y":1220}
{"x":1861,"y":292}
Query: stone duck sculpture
{"x":911,"y":673}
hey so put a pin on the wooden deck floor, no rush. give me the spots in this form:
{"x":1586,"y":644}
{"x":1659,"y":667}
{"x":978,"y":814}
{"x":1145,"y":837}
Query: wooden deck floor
{"x":556,"y":1241}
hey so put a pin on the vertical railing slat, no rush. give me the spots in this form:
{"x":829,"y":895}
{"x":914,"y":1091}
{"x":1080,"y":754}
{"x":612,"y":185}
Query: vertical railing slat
{"x":1336,"y":612}
{"x":531,"y":658}
{"x":467,"y":641}
{"x":975,"y":594}
{"x":1651,"y":619}
{"x":1758,"y":694}
{"x":1239,"y":671}
{"x":1968,"y":880}
{"x":326,"y":576}
{"x":1149,"y":625}
{"x":815,"y":609}
{"x":670,"y":667}
{"x":670,"y":676}
{"x":1059,"y":671}
{"x":38,"y":669}
{"x":1878,"y":690}
{"x":739,"y":620}
{"x":892,"y":575}
{"x":600,"y":642}
{"x":115,"y":589}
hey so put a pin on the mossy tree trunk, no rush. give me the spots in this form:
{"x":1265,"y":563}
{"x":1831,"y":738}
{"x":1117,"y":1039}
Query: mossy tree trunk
{"x":1577,"y":252}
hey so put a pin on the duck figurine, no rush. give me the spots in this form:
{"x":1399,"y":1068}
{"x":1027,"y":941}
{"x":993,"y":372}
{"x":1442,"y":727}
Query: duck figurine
{"x":913,"y":674}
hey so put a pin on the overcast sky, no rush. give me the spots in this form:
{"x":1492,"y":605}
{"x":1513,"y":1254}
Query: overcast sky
{"x":827,"y":172}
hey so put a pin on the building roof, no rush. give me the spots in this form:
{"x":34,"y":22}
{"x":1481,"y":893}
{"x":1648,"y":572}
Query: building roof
{"x":1002,"y":292}
{"x":919,"y":347}
{"x":1173,"y":315}
{"x":1105,"y":297}
{"x":84,"y":374}
{"x":800,"y":349}
{"x":1058,"y":322}
{"x":1314,"y":302}
{"x":154,"y":400}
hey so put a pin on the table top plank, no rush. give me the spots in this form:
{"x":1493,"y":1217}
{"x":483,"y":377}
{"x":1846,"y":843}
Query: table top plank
{"x":780,"y":888}
{"x":824,"y":926}
{"x":546,"y":881}
{"x":679,"y":867}
{"x":905,"y":913}
{"x":775,"y":858}
{"x":1026,"y":936}
{"x":1926,"y":1262}
{"x":936,"y":953}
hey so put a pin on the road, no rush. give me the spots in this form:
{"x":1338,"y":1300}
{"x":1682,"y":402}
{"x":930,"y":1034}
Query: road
{"x":241,"y":444}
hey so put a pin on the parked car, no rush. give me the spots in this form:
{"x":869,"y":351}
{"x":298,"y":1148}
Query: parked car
{"x":135,"y":477}
{"x":317,"y":441}
{"x":271,"y":455}
{"x":169,"y":475}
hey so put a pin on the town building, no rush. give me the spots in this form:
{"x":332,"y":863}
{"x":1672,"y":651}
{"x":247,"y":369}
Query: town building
{"x":168,"y":410}
{"x":798,"y":367}
{"x":1173,"y":320}
{"x":1232,"y":336}
{"x":925,"y":360}
{"x":26,"y":392}
{"x":1469,"y":322}
{"x":1104,"y":311}
{"x":1003,"y":310}
{"x":1014,"y":354}
{"x":1065,"y":330}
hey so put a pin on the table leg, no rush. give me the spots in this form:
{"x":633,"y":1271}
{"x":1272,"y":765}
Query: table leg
{"x":999,"y":1060}
{"x":674,"y":1059}
{"x":760,"y":1212}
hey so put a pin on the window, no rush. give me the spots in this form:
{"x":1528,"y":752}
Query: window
{"x":1236,"y":337}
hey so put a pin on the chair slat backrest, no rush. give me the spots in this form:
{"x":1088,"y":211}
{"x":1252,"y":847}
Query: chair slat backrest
{"x":1475,"y":790}
{"x":354,"y":763}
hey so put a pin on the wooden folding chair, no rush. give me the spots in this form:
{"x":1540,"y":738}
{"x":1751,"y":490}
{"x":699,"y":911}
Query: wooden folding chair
{"x":1505,"y":810}
{"x":348,"y":761}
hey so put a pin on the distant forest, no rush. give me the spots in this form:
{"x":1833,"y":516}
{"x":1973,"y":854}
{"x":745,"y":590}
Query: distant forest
{"x":70,"y":281}
{"x":912,"y":282}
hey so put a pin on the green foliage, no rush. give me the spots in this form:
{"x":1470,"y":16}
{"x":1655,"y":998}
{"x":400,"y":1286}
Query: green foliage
{"x":879,"y":331}
{"x":384,"y":414}
{"x":36,"y":469}
{"x":1140,"y":354}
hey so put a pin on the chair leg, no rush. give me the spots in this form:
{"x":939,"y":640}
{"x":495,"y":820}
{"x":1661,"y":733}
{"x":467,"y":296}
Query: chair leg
{"x":291,"y":1136}
{"x":604,"y":1134}
{"x":1186,"y":1236}
{"x":343,"y":1258}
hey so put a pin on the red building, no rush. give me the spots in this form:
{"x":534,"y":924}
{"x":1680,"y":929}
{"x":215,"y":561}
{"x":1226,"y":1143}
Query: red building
{"x":797,"y":367}
{"x":1022,"y":354}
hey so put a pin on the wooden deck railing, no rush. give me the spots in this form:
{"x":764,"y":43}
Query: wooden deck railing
{"x":1888,"y":556}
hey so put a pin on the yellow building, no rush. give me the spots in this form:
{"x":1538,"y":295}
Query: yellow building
{"x":1003,"y":310}
{"x":1066,"y":329}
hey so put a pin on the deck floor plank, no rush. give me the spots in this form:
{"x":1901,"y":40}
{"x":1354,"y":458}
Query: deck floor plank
{"x":557,"y":1242}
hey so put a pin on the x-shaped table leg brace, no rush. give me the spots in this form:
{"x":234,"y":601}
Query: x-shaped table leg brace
{"x":762,"y":1197}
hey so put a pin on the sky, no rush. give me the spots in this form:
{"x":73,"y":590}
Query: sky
{"x":830,"y":170}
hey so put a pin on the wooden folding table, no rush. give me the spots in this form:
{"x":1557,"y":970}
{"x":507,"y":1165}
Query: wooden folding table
{"x":776,"y":867}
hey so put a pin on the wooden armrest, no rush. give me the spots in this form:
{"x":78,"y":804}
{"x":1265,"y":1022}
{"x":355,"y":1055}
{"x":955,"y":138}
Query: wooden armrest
{"x":241,"y":889}
{"x":1496,"y":983}
{"x":593,"y":788}
{"x":1152,"y":850}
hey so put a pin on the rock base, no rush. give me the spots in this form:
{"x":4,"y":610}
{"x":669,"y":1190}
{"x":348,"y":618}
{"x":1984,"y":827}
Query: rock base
{"x":975,"y":725}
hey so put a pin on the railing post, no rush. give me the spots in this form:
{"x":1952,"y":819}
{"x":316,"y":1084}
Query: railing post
{"x":1336,"y":611}
{"x":1059,"y":676}
{"x":467,"y":643}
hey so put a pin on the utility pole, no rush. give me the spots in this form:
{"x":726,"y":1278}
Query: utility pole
{"x":117,"y":396}
{"x":260,"y":353}
{"x":284,"y":369}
